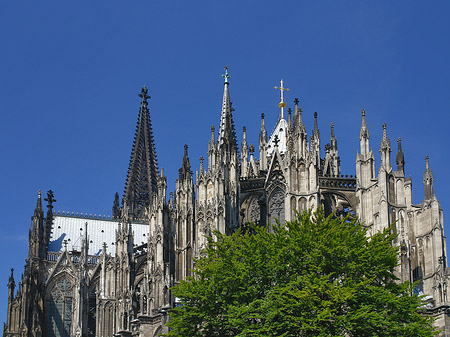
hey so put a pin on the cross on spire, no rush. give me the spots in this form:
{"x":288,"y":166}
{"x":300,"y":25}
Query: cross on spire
{"x":144,"y":94}
{"x":282,"y":104}
{"x":226,"y":76}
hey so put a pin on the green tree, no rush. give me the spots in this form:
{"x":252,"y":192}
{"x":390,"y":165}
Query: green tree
{"x":314,"y":276}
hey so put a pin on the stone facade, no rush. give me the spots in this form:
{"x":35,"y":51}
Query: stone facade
{"x":86,"y":276}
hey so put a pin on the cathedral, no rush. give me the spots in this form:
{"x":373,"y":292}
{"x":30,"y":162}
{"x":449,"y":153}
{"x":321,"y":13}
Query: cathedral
{"x":111,"y":276}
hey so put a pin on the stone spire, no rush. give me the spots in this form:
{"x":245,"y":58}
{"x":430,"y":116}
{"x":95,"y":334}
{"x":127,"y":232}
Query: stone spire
{"x":185,"y":170}
{"x":428,"y":180}
{"x":298,"y":122}
{"x":263,"y":145}
{"x":116,"y":206}
{"x":316,"y":128}
{"x":400,"y":158}
{"x":227,"y":134}
{"x":364,"y":135}
{"x":385,"y":150}
{"x":333,"y":141}
{"x":142,"y":176}
{"x":244,"y":153}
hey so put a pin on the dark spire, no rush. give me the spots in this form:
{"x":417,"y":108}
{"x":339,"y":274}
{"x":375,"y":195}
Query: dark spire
{"x":38,"y":213}
{"x":185,"y":170}
{"x":116,"y":206}
{"x":142,"y":176}
{"x":49,"y":218}
{"x":227,"y":133}
{"x":263,"y":134}
{"x":400,"y":159}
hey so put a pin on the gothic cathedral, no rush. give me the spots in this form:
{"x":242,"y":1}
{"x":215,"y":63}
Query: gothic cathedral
{"x":96,"y":276}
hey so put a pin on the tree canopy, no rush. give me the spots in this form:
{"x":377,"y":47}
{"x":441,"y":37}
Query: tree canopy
{"x":314,"y":276}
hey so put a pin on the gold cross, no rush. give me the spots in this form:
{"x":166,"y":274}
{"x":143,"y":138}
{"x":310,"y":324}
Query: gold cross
{"x":282,"y":104}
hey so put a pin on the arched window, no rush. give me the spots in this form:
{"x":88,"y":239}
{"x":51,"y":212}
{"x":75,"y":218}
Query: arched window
{"x":392,"y":198}
{"x":276,"y":206}
{"x":60,"y":301}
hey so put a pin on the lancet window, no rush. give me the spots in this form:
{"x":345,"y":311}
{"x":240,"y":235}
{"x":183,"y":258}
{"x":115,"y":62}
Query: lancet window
{"x":60,"y":302}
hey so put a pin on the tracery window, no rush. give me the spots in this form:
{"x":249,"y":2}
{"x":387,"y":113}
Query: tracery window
{"x":254,"y":211}
{"x":276,"y":206}
{"x":60,"y":308}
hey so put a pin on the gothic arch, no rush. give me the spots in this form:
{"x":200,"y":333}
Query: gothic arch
{"x":338,"y":203}
{"x":277,"y":206}
{"x":59,"y":303}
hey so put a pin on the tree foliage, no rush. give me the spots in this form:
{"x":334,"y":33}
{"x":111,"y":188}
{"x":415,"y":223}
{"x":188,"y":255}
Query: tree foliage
{"x":314,"y":276}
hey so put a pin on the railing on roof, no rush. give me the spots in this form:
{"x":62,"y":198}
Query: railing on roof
{"x":54,"y":256}
{"x":84,"y":215}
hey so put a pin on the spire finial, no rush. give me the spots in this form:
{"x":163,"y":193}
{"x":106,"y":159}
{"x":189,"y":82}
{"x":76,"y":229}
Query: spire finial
{"x":251,"y":149}
{"x":144,"y":95}
{"x":39,"y":202}
{"x":185,"y":150}
{"x":384,"y":132}
{"x":427,"y":163}
{"x":201,"y":164}
{"x":282,"y":104}
{"x":332,"y":129}
{"x":226,"y":76}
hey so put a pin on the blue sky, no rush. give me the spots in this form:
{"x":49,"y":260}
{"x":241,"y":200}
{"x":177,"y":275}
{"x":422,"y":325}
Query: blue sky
{"x":70,"y":73}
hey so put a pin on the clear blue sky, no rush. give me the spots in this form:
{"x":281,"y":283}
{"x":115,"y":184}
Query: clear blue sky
{"x":70,"y":73}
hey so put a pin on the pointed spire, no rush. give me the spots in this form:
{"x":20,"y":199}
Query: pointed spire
{"x":116,"y":206}
{"x":384,"y":132}
{"x":244,"y":153}
{"x":11,"y":283}
{"x":333,"y":141}
{"x":185,"y":170}
{"x":38,"y":203}
{"x":142,"y":176}
{"x":290,"y":118}
{"x":316,"y":128}
{"x":201,"y":164}
{"x":428,"y":180}
{"x":263,"y":145}
{"x":213,"y":136}
{"x":400,"y":159}
{"x":227,"y":134}
{"x":385,"y":150}
{"x":363,"y":133}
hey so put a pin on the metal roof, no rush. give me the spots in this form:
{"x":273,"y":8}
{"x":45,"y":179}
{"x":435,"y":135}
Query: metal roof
{"x":99,"y":231}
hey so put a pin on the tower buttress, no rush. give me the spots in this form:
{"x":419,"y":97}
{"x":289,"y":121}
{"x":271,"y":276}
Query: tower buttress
{"x":212,"y":150}
{"x":11,"y":287}
{"x":37,"y":236}
{"x":185,"y":220}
